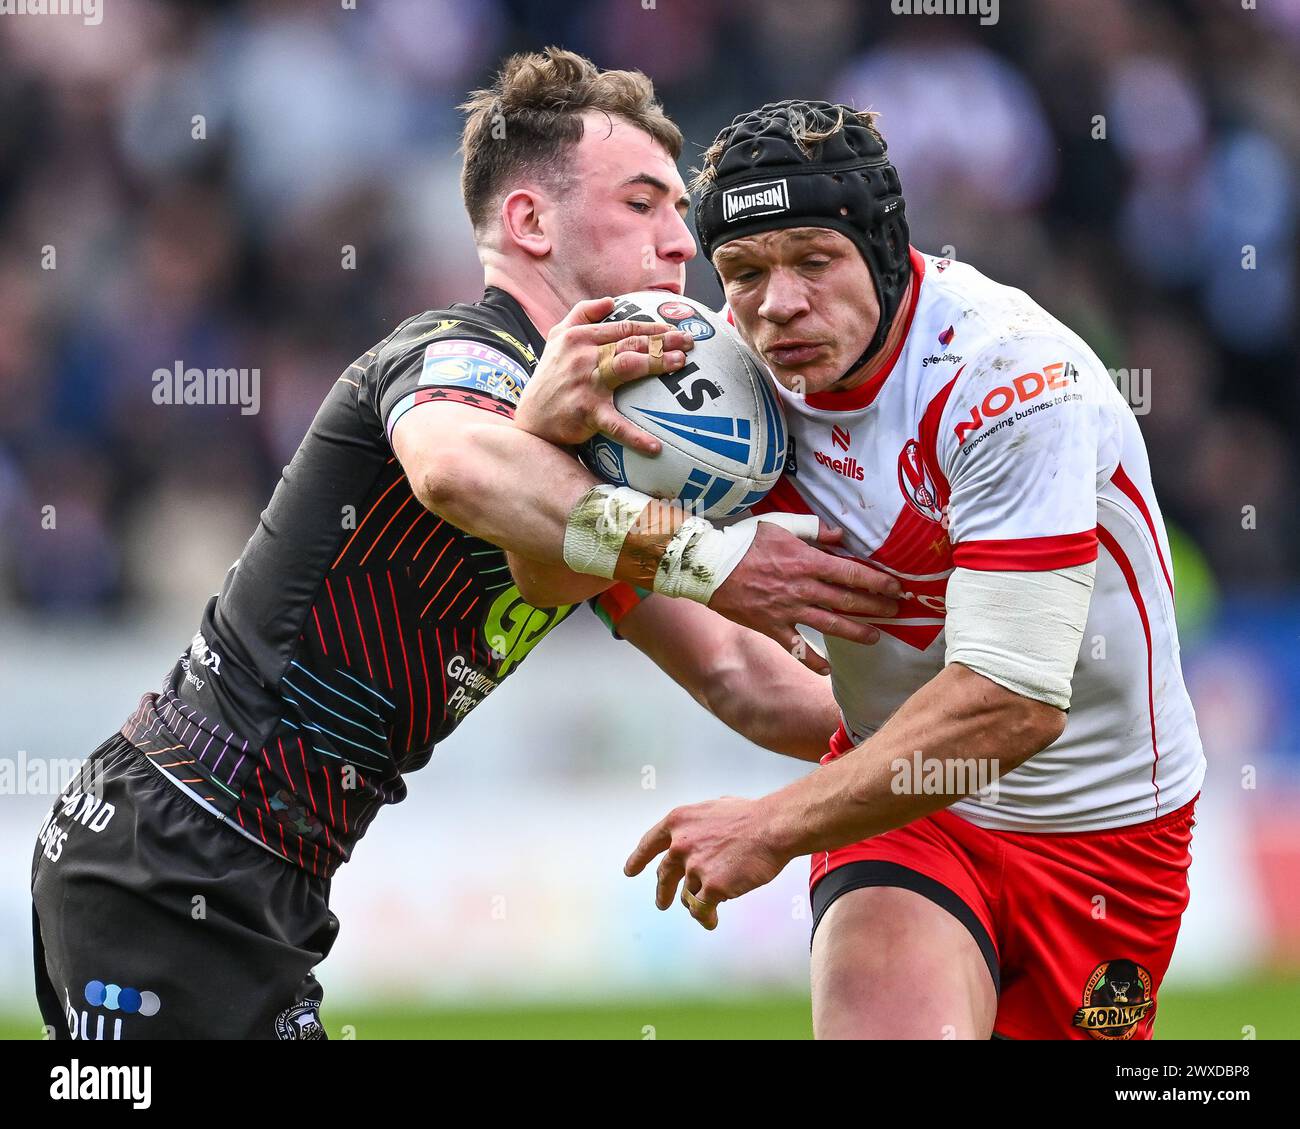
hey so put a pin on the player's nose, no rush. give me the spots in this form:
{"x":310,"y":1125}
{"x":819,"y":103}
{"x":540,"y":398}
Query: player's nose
{"x":677,"y":244}
{"x":783,"y":297}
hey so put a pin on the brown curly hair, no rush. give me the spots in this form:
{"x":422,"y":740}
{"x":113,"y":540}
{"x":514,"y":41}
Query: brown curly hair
{"x":525,"y":123}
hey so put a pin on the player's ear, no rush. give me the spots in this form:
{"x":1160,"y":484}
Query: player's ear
{"x":523,"y":224}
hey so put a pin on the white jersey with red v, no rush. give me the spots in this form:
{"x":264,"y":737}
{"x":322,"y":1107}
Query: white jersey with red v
{"x":994,"y":439}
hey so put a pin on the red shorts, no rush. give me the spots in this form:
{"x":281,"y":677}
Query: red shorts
{"x":1077,"y":929}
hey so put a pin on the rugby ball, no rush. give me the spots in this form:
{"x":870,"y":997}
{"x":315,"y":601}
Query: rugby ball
{"x":718,"y":417}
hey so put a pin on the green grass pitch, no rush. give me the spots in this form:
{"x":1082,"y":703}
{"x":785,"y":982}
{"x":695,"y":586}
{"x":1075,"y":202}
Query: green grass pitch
{"x":1268,"y":1007}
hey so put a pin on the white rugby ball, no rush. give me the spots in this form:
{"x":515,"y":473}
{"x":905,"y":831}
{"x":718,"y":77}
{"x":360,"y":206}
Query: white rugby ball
{"x":718,"y":417}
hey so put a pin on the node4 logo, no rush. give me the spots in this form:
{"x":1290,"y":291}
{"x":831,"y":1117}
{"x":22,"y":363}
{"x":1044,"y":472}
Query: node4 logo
{"x":110,"y":997}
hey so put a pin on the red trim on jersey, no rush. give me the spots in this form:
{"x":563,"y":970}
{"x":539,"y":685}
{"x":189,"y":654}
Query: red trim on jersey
{"x":616,"y":602}
{"x":1029,"y":554}
{"x":1126,"y":567}
{"x":927,"y":434}
{"x":854,"y":399}
{"x":1130,"y":491}
{"x":447,"y":394}
{"x":915,"y":546}
{"x":918,"y":635}
{"x":783,"y":498}
{"x":841,"y":743}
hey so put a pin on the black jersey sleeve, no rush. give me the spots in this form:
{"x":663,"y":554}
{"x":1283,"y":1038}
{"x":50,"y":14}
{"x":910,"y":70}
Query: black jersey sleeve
{"x":440,"y":357}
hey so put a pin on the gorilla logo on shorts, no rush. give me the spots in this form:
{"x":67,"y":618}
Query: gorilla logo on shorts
{"x":299,"y":1022}
{"x":1116,"y":999}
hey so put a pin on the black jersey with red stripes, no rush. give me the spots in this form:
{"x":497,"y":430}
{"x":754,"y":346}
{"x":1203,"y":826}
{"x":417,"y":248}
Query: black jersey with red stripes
{"x":358,"y":628}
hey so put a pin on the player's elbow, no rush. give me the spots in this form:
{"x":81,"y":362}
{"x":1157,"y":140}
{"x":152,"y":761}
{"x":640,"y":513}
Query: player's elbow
{"x":523,"y":572}
{"x":552,"y":585}
{"x":446,"y":481}
{"x":536,"y":586}
{"x":1033,"y":726}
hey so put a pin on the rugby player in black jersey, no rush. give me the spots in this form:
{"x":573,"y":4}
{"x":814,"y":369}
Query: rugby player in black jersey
{"x":181,"y":885}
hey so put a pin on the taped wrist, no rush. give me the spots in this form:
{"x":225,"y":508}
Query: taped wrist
{"x":697,"y":558}
{"x":598,"y":526}
{"x":700,"y":557}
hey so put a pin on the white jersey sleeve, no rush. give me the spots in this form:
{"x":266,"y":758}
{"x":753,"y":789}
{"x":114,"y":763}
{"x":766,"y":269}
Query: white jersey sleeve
{"x":1027,"y":435}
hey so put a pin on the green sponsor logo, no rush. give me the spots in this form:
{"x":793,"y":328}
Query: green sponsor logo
{"x":514,"y":627}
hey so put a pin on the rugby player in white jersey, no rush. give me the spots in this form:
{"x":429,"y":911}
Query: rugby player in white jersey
{"x":973,"y":447}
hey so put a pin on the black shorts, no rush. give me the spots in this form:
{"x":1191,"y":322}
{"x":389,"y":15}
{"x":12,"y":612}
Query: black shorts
{"x":152,"y":920}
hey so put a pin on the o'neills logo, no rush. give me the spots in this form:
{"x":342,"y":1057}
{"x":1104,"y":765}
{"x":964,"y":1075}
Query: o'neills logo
{"x":847,"y":467}
{"x":755,"y":200}
{"x":1116,"y":999}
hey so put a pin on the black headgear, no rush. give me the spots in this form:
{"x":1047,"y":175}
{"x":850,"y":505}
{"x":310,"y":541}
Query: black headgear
{"x":765,"y":179}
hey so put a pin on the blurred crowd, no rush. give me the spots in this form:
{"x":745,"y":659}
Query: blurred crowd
{"x":273,"y":185}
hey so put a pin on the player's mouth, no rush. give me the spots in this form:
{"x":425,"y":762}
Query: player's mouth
{"x":789,"y":354}
{"x":671,"y":287}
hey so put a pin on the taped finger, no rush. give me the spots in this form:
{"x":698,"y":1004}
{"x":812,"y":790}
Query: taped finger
{"x":605,"y":371}
{"x":656,"y":351}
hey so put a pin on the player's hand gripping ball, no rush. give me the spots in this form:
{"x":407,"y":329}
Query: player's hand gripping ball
{"x":718,"y":417}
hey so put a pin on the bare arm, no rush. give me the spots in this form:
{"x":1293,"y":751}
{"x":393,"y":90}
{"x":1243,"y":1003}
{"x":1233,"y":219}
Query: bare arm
{"x":731,"y":846}
{"x":483,"y":475}
{"x":489,"y":478}
{"x":958,"y":715}
{"x":549,"y":585}
{"x":515,"y":489}
{"x":744,"y":679}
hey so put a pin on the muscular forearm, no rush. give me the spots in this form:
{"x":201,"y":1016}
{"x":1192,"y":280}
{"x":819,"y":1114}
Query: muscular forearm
{"x":517,"y":491}
{"x":747,"y":681}
{"x":958,"y":716}
{"x":505,"y":486}
{"x":777,"y":703}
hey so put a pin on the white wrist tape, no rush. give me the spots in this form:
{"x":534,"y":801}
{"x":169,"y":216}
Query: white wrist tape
{"x":1022,"y":630}
{"x":597,"y":527}
{"x":700,"y":557}
{"x":696,"y":560}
